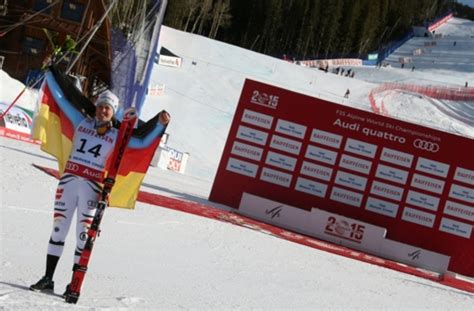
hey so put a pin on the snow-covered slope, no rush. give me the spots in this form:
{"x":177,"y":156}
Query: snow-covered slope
{"x":158,"y":259}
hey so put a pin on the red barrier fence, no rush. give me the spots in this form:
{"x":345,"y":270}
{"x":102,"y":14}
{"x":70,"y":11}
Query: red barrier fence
{"x":440,"y":22}
{"x":438,"y":92}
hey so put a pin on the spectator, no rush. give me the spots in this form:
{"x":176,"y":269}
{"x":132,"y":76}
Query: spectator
{"x":346,"y":95}
{"x":466,"y":85}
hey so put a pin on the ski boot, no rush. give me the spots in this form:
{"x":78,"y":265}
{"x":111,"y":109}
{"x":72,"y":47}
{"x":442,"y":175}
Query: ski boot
{"x":43,"y":285}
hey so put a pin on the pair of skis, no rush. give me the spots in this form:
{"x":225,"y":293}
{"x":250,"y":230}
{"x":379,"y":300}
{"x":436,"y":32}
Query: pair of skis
{"x":123,"y":137}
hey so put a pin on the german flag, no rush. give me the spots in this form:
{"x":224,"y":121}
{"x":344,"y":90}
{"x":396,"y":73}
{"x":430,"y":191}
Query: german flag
{"x":62,"y":107}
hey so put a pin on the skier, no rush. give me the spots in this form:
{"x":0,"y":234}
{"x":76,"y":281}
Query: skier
{"x":80,"y":185}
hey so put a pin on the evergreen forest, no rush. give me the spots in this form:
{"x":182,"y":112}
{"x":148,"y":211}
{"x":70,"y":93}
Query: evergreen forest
{"x":308,"y":29}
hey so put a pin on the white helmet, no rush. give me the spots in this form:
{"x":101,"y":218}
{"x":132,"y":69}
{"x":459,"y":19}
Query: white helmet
{"x":108,"y":98}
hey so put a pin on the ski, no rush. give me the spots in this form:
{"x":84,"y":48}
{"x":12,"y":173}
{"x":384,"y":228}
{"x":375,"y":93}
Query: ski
{"x":80,"y":269}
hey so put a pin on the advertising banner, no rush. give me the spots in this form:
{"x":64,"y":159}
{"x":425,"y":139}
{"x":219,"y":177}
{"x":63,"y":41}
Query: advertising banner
{"x":156,"y":90}
{"x":171,"y":159}
{"x":16,"y":124}
{"x":309,"y":153}
{"x":331,"y":62}
{"x":170,"y":61}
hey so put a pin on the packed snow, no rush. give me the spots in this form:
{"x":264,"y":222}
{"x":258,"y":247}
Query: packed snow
{"x":154,"y":258}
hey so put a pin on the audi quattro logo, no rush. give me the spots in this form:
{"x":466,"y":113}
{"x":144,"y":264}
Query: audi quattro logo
{"x":426,"y":145}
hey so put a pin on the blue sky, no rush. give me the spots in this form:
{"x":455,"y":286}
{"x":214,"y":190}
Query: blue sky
{"x":467,"y":2}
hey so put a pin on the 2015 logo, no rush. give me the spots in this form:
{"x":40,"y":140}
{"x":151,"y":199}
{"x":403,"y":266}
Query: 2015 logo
{"x":263,"y":99}
{"x":349,"y":231}
{"x":426,"y":145}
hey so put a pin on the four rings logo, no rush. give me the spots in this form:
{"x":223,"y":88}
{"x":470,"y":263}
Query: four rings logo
{"x":72,"y":167}
{"x":426,"y":145}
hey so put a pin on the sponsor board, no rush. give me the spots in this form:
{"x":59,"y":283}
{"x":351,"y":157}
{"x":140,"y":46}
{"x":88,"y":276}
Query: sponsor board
{"x":247,"y":151}
{"x":285,"y":144}
{"x":316,"y":171}
{"x":276,"y":177}
{"x":387,"y":191}
{"x":382,"y":207}
{"x":156,"y":90}
{"x":391,"y":174}
{"x":311,"y":187}
{"x":360,"y":148}
{"x":281,"y":161}
{"x":16,"y":124}
{"x":252,"y":135}
{"x":8,"y":133}
{"x":172,"y":159}
{"x":345,"y":196}
{"x":321,"y":155}
{"x":432,"y":167}
{"x":462,"y":193}
{"x":257,"y":119}
{"x":242,"y":167}
{"x":350,"y":180}
{"x":387,"y":172}
{"x":418,"y":217}
{"x":170,"y":61}
{"x":459,"y":210}
{"x":427,"y":183}
{"x":397,"y":157}
{"x":423,"y":200}
{"x":458,"y":228}
{"x":319,"y":63}
{"x":325,"y":138}
{"x":355,"y":164}
{"x":464,"y":175}
{"x":290,"y":128}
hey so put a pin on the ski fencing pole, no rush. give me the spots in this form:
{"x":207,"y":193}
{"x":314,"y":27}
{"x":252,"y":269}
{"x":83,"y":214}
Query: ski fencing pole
{"x":13,"y":103}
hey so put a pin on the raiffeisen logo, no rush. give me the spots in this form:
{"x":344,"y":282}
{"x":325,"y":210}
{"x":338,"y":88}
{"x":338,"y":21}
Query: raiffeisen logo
{"x":263,"y":99}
